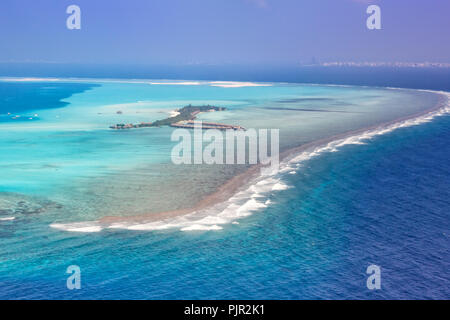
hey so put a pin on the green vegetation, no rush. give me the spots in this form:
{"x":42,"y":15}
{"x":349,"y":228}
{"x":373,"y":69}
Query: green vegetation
{"x":187,"y":113}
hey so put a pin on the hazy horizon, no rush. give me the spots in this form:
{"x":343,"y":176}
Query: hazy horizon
{"x":201,"y":32}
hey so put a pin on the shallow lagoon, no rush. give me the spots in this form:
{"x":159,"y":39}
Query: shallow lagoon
{"x":311,"y":236}
{"x":68,"y":155}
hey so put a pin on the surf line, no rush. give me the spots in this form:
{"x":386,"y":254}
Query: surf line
{"x":235,"y":184}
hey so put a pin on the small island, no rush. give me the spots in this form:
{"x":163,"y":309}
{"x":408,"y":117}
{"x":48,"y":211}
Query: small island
{"x":184,"y":119}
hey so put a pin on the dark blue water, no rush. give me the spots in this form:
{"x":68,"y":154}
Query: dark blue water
{"x":23,"y":97}
{"x":385,"y":203}
{"x":415,"y":78}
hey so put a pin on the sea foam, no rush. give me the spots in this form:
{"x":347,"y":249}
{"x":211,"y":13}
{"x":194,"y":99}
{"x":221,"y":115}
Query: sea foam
{"x":7,"y":218}
{"x":236,"y":84}
{"x":89,"y":226}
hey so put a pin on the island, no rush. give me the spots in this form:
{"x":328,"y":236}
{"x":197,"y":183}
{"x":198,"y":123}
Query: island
{"x":183,"y":119}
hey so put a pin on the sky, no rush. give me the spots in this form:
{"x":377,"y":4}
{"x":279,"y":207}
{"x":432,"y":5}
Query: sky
{"x":216,"y":32}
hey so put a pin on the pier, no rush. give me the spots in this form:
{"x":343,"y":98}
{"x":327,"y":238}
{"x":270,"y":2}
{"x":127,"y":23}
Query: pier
{"x":206,"y":125}
{"x":184,"y":119}
{"x":122,"y":126}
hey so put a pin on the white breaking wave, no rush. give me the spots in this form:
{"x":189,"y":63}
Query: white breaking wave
{"x":236,"y":84}
{"x":256,"y":197}
{"x":7,"y":218}
{"x":201,"y":227}
{"x":78,"y":226}
{"x":223,"y":84}
{"x":362,"y":138}
{"x":14,"y":79}
{"x":180,"y":83}
{"x":280,"y":186}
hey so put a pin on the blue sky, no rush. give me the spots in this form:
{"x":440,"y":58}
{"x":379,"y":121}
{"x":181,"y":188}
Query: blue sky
{"x":224,"y":31}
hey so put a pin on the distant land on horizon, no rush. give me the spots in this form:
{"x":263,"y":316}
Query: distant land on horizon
{"x":425,"y":64}
{"x":364,"y":74}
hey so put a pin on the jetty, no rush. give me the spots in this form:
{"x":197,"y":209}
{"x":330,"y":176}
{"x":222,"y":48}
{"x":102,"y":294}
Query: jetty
{"x":184,"y":119}
{"x":191,"y":124}
{"x":122,"y":126}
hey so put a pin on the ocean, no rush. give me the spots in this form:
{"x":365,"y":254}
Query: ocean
{"x":378,"y":195}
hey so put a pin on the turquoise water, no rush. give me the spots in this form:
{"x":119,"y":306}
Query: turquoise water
{"x":309,"y":232}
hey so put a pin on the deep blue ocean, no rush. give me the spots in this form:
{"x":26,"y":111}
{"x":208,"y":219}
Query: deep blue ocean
{"x":22,"y":97}
{"x":386,"y":203}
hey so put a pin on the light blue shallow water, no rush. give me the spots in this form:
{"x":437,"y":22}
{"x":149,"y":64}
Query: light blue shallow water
{"x":380,"y":203}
